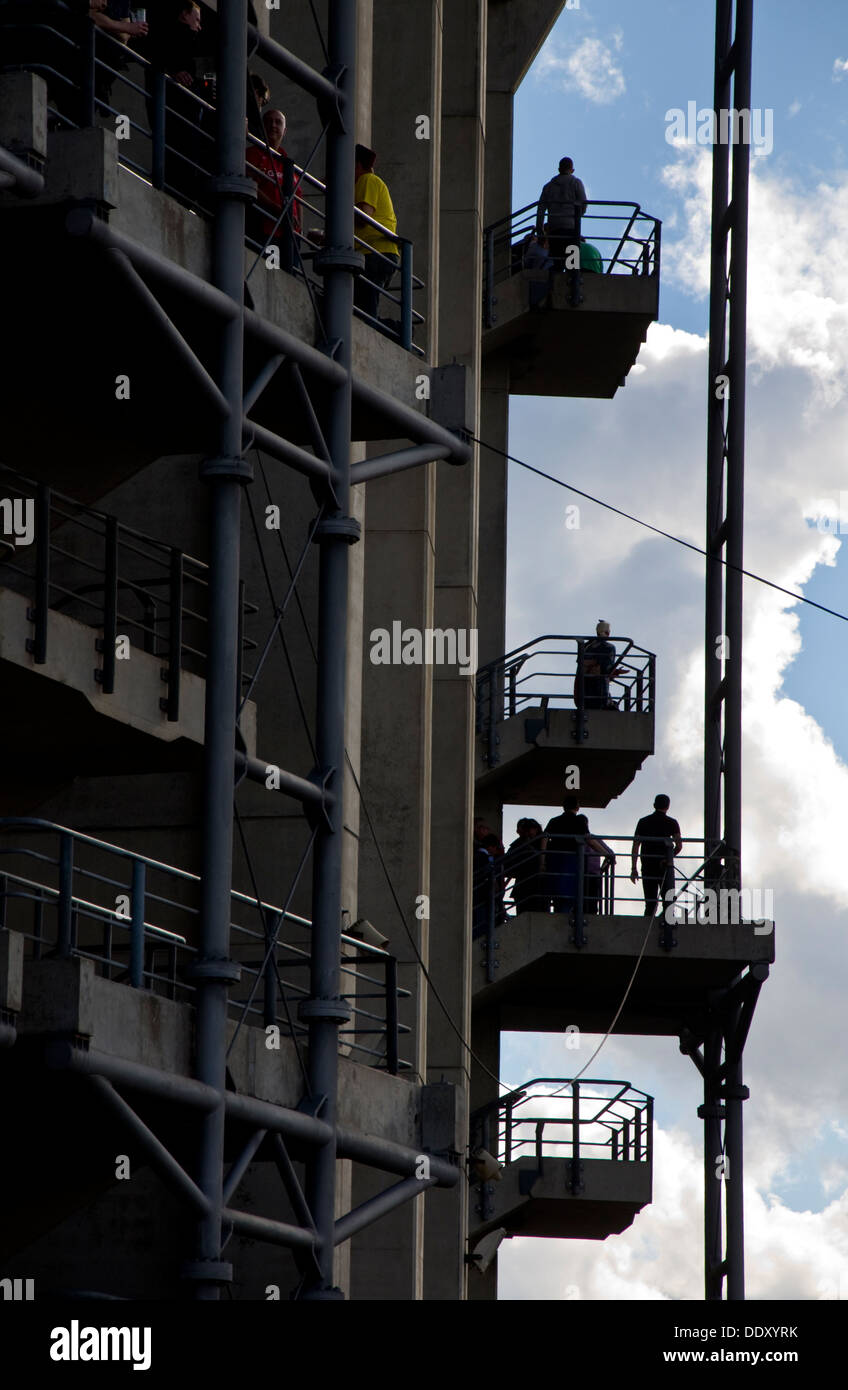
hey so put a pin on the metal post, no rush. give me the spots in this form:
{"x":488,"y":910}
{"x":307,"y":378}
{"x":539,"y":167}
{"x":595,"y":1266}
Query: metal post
{"x":726,"y":446}
{"x":406,"y":295}
{"x":157,"y":123}
{"x":579,"y":923}
{"x":576,"y":1184}
{"x":392,"y":1060}
{"x":139,"y":870}
{"x":175,"y":635}
{"x":87,"y":60}
{"x":269,"y":976}
{"x":287,"y":228}
{"x":64,"y":939}
{"x":324,"y":1010}
{"x":110,"y":606}
{"x":736,"y":447}
{"x":711,"y":1113}
{"x":214,"y":971}
{"x":579,"y":696}
{"x":723,"y":610}
{"x":735,"y":1094}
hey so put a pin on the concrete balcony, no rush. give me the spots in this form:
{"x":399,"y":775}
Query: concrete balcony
{"x":103,"y":638}
{"x":537,"y":718}
{"x":97,"y":998}
{"x":564,"y":336}
{"x":122,"y":279}
{"x":553,"y":1186}
{"x":62,"y":1214}
{"x":542,"y":971}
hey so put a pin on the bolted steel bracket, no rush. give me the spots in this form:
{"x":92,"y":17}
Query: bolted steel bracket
{"x":339,"y":258}
{"x":324,"y":1010}
{"x":346,"y":527}
{"x":233,"y":186}
{"x":226,"y":970}
{"x":237,"y":468}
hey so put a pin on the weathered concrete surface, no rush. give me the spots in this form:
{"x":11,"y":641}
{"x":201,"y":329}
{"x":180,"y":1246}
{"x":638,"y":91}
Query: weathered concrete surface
{"x":530,"y":770}
{"x":72,"y":659}
{"x":613,"y":1194}
{"x":544,"y":982}
{"x":565,"y":351}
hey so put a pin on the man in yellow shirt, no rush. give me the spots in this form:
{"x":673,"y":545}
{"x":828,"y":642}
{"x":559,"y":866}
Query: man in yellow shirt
{"x":372,"y":197}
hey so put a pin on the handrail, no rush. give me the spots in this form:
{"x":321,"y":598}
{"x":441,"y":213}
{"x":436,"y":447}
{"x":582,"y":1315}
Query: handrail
{"x":185,"y":159}
{"x":635,"y":249}
{"x":501,"y":685}
{"x":584,"y":885}
{"x":71,"y":907}
{"x":121,"y":558}
{"x":619,"y":1127}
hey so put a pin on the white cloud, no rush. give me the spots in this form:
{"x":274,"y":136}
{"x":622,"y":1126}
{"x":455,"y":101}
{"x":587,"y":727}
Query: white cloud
{"x":645,"y":452}
{"x":840,"y":67}
{"x":794,"y":109}
{"x":588,"y":68}
{"x":798,"y":269}
{"x":789,"y":1254}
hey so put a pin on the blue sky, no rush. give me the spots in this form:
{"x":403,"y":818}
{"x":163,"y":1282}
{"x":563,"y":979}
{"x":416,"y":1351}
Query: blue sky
{"x":600,"y":91}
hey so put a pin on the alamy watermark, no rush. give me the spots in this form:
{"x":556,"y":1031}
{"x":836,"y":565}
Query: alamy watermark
{"x":705,"y":126}
{"x":432,"y":646}
{"x":725,"y":907}
{"x":17,"y":519}
{"x":832,"y":515}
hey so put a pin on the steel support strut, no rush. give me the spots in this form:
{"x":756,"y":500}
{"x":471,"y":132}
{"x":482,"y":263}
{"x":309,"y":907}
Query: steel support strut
{"x":224,"y":475}
{"x":723,"y":609}
{"x":325,"y":1010}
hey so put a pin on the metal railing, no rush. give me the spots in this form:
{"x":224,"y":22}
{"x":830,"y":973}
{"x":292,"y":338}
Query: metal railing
{"x":553,"y":671}
{"x":137,"y":918}
{"x":626,"y":238}
{"x":170,"y":143}
{"x":565,"y":876}
{"x":88,"y":565}
{"x":572,"y":1119}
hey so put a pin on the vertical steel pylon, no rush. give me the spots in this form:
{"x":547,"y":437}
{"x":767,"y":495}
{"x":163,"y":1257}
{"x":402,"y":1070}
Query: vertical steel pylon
{"x":323,"y":1011}
{"x":723,"y":1089}
{"x":225,"y":475}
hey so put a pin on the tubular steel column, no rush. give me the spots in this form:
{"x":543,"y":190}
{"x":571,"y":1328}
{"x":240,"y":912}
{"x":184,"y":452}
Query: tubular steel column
{"x":726,"y":441}
{"x":324,"y":1010}
{"x":225,"y":476}
{"x":724,"y":543}
{"x":711,"y":1113}
{"x":734,"y":1093}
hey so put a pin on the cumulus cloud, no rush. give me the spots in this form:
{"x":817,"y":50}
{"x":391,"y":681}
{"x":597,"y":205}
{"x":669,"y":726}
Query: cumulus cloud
{"x":789,"y":1254}
{"x":646,"y":453}
{"x":589,"y":68}
{"x":798,"y":269}
{"x":840,"y":67}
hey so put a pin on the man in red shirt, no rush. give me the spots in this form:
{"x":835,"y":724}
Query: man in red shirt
{"x":267,"y":162}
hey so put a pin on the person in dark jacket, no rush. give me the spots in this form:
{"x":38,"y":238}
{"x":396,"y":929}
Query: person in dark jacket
{"x":597,"y":669}
{"x":524,"y":863}
{"x":562,"y":203}
{"x":565,"y":836}
{"x":659,"y":840}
